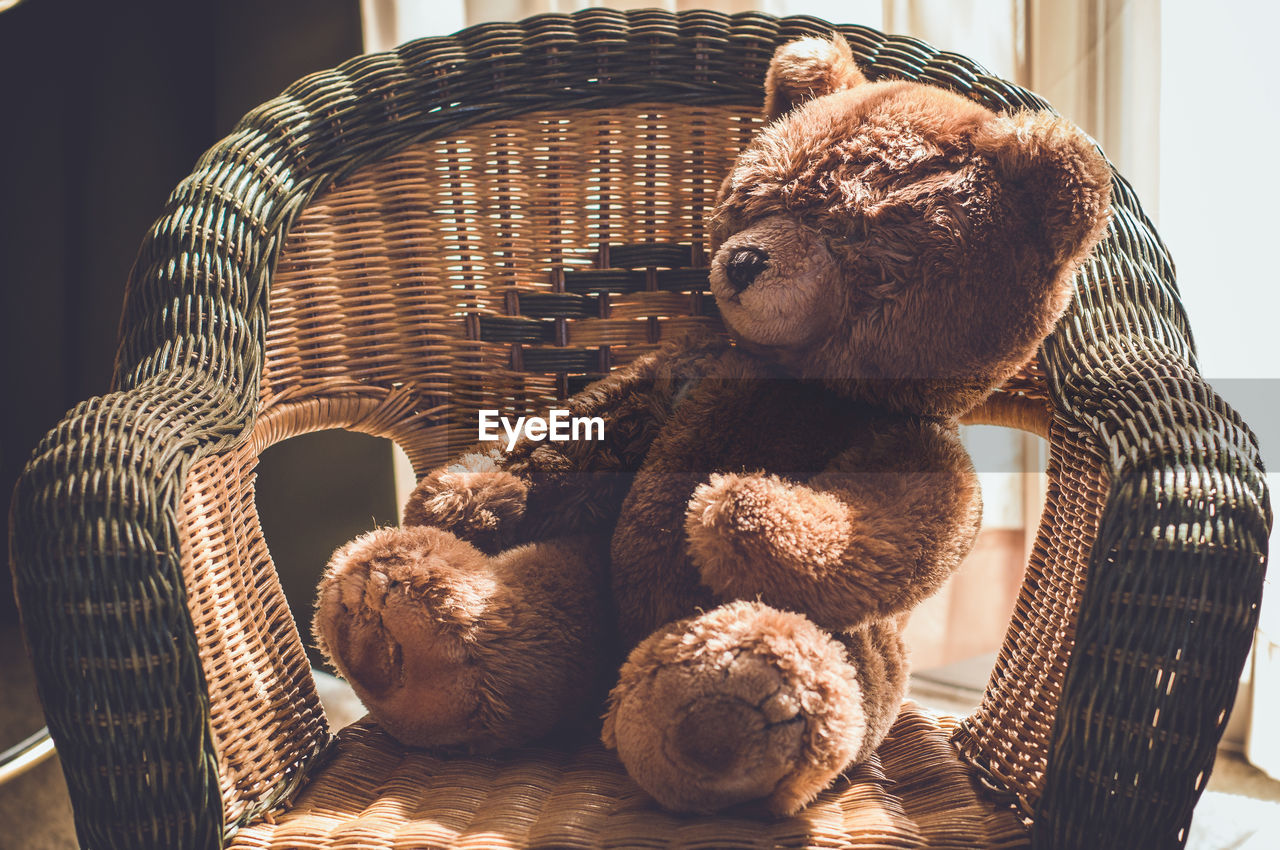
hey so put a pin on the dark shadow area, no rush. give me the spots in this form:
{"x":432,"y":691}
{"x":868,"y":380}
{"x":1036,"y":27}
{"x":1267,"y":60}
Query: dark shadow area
{"x":106,"y":107}
{"x":314,"y":493}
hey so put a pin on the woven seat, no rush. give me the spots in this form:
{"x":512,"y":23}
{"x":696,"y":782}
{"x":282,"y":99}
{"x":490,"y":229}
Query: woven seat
{"x":914,"y":793}
{"x":492,"y":220}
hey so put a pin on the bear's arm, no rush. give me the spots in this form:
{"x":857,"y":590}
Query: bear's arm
{"x":543,"y":489}
{"x":870,"y":536}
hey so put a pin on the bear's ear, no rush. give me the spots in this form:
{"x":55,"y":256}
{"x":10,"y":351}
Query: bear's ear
{"x":805,"y":69}
{"x":1060,"y":172}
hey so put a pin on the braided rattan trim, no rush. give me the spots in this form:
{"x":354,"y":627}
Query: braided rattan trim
{"x":1007,"y":737}
{"x":250,"y":650}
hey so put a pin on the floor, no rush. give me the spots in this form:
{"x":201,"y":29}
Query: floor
{"x":35,"y":813}
{"x":1240,"y":810}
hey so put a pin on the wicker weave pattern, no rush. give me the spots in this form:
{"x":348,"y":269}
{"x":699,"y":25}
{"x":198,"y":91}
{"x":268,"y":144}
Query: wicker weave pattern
{"x":1007,"y":736}
{"x":398,"y":276}
{"x":112,"y":548}
{"x":249,"y":647}
{"x":914,"y":793}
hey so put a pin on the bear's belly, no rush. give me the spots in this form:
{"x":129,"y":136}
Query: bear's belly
{"x":789,"y":428}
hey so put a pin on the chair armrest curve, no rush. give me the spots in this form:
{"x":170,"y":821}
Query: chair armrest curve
{"x":95,"y":555}
{"x":1171,"y":598}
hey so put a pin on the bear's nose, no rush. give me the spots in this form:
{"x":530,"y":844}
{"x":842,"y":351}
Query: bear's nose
{"x":745,"y":264}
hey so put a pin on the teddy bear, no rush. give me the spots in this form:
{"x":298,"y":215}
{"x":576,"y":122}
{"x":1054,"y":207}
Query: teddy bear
{"x":725,"y":576}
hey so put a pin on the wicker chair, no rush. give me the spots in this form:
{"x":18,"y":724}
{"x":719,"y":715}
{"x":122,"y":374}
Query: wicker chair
{"x":488,"y":220}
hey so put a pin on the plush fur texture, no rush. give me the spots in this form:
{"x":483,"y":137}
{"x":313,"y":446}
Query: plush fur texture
{"x":474,"y":497}
{"x":808,"y":68}
{"x":695,"y":686}
{"x":761,"y":516}
{"x":953,"y":231}
{"x":448,"y":646}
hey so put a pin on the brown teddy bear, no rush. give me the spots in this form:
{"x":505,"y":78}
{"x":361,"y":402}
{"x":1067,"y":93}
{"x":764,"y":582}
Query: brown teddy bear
{"x":760,"y":516}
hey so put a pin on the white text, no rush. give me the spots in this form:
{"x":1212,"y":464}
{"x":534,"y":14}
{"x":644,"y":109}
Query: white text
{"x":559,"y":427}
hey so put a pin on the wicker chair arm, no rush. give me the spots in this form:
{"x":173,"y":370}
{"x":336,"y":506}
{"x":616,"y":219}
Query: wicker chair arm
{"x":1174,"y":582}
{"x":95,"y":535}
{"x":95,"y":554}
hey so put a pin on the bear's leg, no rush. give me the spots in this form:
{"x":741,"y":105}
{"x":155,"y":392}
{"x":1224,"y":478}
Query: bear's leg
{"x":448,"y":646}
{"x":746,"y":702}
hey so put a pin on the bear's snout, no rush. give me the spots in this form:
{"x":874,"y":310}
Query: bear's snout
{"x":744,"y":266}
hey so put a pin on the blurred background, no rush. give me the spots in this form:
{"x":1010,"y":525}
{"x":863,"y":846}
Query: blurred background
{"x":107,"y":106}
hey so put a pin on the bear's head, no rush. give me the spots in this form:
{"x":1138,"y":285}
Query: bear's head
{"x":899,"y":242}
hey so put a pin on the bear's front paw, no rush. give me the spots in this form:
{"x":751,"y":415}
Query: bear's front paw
{"x":741,"y":703}
{"x":753,"y":535}
{"x":396,"y":613}
{"x":473,"y":498}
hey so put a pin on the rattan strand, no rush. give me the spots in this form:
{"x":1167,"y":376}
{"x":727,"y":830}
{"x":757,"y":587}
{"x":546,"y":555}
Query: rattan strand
{"x":111,"y":537}
{"x":249,"y":647}
{"x":1018,"y":706}
{"x":915,"y":793}
{"x":380,"y":274}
